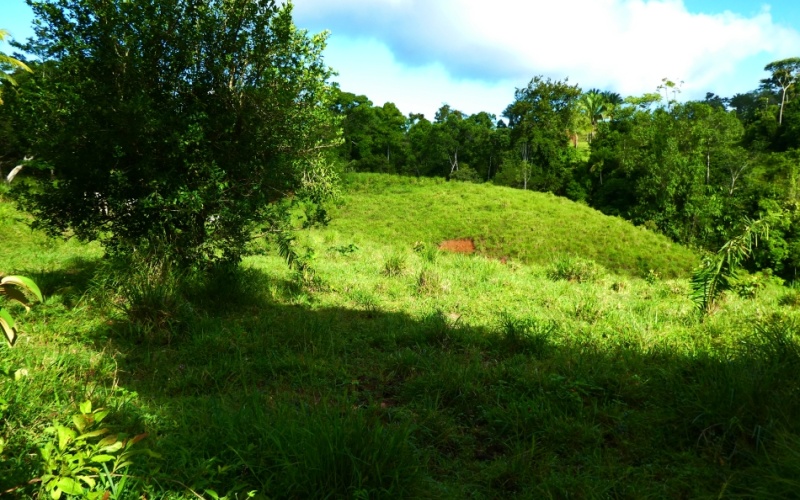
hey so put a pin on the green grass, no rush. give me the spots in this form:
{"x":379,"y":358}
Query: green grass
{"x":534,"y":228}
{"x":404,"y":372}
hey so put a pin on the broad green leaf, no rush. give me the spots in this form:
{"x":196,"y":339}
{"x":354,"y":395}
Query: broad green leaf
{"x":112,"y":448}
{"x":99,"y":415}
{"x":92,"y":434}
{"x":107,"y":441}
{"x":124,"y":464}
{"x":65,"y":436}
{"x":7,"y":324}
{"x":70,"y":486}
{"x":102,"y":458}
{"x":80,"y":422}
{"x":86,"y":407}
{"x":24,"y":282}
{"x":89,"y":480}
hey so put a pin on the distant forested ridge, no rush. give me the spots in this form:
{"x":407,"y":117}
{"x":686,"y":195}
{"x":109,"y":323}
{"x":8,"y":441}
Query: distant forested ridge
{"x":692,"y":170}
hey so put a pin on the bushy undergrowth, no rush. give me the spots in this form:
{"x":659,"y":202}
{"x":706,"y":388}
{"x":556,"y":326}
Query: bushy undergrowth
{"x":459,"y":377}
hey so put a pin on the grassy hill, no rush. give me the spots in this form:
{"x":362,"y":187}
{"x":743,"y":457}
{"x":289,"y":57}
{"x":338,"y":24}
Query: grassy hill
{"x":534,"y":228}
{"x":396,"y":370}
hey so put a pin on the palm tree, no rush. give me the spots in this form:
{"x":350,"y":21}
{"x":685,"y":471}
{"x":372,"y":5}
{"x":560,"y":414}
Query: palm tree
{"x":9,"y":61}
{"x":592,"y":105}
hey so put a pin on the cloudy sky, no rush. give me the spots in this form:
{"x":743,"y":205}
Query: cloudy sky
{"x":472,"y":54}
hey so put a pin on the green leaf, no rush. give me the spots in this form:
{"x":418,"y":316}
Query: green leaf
{"x":86,"y":407}
{"x":112,"y":448}
{"x":102,"y":458}
{"x":92,"y":434}
{"x":99,"y":415}
{"x":80,"y":422}
{"x":89,"y":480}
{"x":107,"y":441}
{"x":69,"y":486}
{"x":7,"y":324}
{"x":23,"y":282}
{"x":65,"y":436}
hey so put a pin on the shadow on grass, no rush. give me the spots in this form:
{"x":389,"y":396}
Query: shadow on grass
{"x":242,"y":391}
{"x":70,"y":282}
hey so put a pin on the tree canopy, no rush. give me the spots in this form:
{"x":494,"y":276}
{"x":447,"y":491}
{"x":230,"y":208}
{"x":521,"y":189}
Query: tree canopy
{"x":176,"y":122}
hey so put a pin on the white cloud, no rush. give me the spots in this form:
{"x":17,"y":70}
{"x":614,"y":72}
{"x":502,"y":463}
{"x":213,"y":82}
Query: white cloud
{"x":624,"y":45}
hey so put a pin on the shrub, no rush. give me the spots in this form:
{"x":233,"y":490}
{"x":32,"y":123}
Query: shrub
{"x":158,"y":139}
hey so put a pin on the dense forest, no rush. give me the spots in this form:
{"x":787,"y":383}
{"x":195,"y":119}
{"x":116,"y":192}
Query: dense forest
{"x":692,"y":170}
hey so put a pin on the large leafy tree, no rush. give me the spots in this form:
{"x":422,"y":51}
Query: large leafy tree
{"x":177,"y":122}
{"x":784,"y":75}
{"x":541,"y":119}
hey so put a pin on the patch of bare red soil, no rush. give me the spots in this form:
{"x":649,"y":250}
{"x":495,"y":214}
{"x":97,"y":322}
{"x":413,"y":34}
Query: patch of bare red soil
{"x":458,"y":246}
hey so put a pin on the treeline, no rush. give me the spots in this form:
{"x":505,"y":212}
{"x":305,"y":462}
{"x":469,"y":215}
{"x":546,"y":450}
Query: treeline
{"x":695,"y":171}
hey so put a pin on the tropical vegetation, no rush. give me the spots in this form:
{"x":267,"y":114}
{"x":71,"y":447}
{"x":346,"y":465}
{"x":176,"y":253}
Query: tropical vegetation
{"x":224,"y":276}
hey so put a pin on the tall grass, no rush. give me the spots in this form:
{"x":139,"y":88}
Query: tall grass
{"x":457,"y":377}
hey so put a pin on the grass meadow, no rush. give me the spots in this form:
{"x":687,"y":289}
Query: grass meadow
{"x":564,"y":359}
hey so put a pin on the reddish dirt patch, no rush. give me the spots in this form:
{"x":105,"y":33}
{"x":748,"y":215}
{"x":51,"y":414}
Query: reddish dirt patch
{"x":458,"y":246}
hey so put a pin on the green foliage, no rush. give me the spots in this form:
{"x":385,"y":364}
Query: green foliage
{"x":494,"y":384}
{"x":652,"y":277}
{"x":6,"y":61}
{"x":429,"y":282}
{"x":86,"y":459}
{"x":16,"y":289}
{"x":465,"y":174}
{"x":571,"y":268}
{"x":175,"y":122}
{"x":395,"y":265}
{"x":539,"y":118}
{"x":719,"y":272}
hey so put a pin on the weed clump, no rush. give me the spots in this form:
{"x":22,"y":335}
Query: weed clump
{"x":526,"y":336}
{"x":429,"y":282}
{"x":790,"y":298}
{"x":575,"y":269}
{"x":395,"y":265}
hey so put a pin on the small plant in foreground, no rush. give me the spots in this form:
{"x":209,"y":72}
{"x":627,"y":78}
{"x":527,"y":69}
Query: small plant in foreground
{"x":13,"y":288}
{"x":87,"y":460}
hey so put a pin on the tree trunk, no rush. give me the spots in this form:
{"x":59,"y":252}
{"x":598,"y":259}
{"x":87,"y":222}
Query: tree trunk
{"x":783,"y":101}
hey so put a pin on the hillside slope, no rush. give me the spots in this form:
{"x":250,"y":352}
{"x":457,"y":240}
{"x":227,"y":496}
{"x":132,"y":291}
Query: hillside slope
{"x":534,"y":228}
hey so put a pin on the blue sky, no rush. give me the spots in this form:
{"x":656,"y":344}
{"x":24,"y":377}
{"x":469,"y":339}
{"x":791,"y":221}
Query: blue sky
{"x":472,"y":54}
